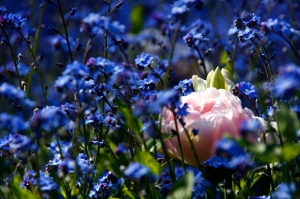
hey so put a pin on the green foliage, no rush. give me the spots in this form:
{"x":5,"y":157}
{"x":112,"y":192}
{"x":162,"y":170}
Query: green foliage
{"x":224,"y":62}
{"x":182,"y":189}
{"x":137,"y":19}
{"x":288,"y":122}
{"x":131,"y":121}
{"x":147,"y":159}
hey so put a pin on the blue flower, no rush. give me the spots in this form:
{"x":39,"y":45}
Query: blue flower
{"x":288,"y":83}
{"x":12,"y":124}
{"x":182,"y":6}
{"x":284,"y":191}
{"x":136,"y":171}
{"x":84,"y":163}
{"x":185,"y":87}
{"x":248,"y":89}
{"x":228,"y":147}
{"x":49,"y":120}
{"x":216,"y":162}
{"x":16,"y":144}
{"x":15,"y":95}
{"x":14,"y":20}
{"x":144,"y":60}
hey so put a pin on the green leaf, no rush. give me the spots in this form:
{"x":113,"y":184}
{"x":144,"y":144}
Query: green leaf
{"x":223,"y":61}
{"x":137,"y":19}
{"x":287,"y":122}
{"x":209,"y":78}
{"x":198,"y":84}
{"x":131,"y":121}
{"x":217,"y":80}
{"x":182,"y":189}
{"x":147,"y":159}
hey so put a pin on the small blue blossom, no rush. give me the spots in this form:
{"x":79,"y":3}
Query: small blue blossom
{"x":65,"y":148}
{"x":284,"y":191}
{"x":216,"y":162}
{"x":248,"y":89}
{"x":182,"y":6}
{"x":136,"y":171}
{"x":144,"y":60}
{"x":185,"y":87}
{"x":15,"y":95}
{"x":12,"y":124}
{"x":16,"y":144}
{"x":199,"y":189}
{"x":84,"y":163}
{"x":228,"y":147}
{"x":49,"y":120}
{"x":13,"y":20}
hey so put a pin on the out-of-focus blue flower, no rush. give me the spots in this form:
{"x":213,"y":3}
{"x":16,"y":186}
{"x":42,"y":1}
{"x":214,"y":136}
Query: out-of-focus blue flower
{"x":97,"y":24}
{"x":15,"y":95}
{"x":280,"y":27}
{"x":49,"y":120}
{"x":228,"y":147}
{"x":22,"y":68}
{"x":241,"y":162}
{"x":46,"y":183}
{"x":288,"y":83}
{"x":185,"y":87}
{"x":13,"y":20}
{"x":15,"y":144}
{"x":28,"y":179}
{"x":144,"y":60}
{"x":182,"y":6}
{"x":108,"y":181}
{"x":285,"y":191}
{"x":84,"y":163}
{"x":12,"y":124}
{"x":2,"y":9}
{"x":73,"y":78}
{"x":136,"y":171}
{"x":252,"y":129}
{"x":199,"y":189}
{"x":65,"y":148}
{"x":100,"y":67}
{"x":247,"y":27}
{"x":216,"y":162}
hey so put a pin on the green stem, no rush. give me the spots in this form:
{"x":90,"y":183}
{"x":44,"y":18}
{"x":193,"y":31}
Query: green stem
{"x":36,"y":66}
{"x":36,"y":41}
{"x":173,"y":43}
{"x":65,"y":28}
{"x":13,"y":56}
{"x":178,"y":140}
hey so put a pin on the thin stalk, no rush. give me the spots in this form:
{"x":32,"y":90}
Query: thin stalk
{"x":173,"y":43}
{"x":269,"y":62}
{"x":202,"y":60}
{"x":65,"y":28}
{"x":178,"y":140}
{"x":36,"y":41}
{"x":266,"y":66}
{"x":172,"y":175}
{"x":268,"y":167}
{"x":254,"y":107}
{"x":86,"y":51}
{"x":291,"y":45}
{"x":2,"y":194}
{"x":193,"y":149}
{"x":36,"y":65}
{"x":13,"y":56}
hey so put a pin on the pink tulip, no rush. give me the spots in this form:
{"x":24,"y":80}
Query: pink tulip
{"x":213,"y":113}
